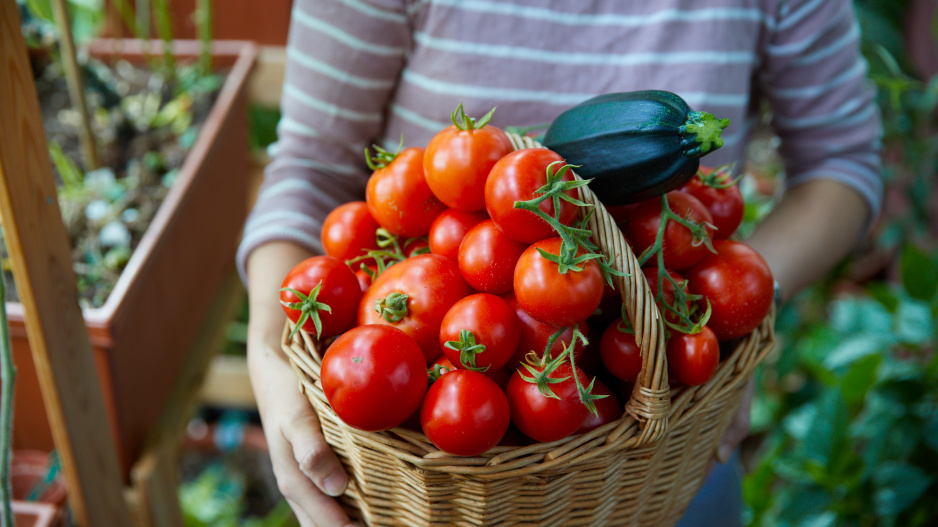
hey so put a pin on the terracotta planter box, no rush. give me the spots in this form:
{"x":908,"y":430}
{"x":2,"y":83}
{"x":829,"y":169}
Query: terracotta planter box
{"x":261,"y":22}
{"x":142,"y":334}
{"x":27,"y":469}
{"x":35,"y":514}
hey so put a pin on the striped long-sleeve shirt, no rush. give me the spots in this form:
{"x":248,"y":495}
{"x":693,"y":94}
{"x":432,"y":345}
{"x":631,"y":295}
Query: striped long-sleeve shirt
{"x":363,"y":72}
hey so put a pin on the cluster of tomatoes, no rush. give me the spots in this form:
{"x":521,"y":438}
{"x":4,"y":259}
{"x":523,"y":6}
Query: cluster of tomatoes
{"x":457,"y":299}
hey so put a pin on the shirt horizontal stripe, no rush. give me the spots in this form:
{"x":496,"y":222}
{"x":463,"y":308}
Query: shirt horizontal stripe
{"x":850,"y":37}
{"x":602,"y":19}
{"x":295,"y":217}
{"x":600,"y":59}
{"x":857,"y":70}
{"x":329,"y":108}
{"x":343,"y":37}
{"x":334,"y":73}
{"x":375,"y":12}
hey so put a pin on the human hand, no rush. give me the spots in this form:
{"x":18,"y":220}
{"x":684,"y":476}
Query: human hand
{"x":309,"y":474}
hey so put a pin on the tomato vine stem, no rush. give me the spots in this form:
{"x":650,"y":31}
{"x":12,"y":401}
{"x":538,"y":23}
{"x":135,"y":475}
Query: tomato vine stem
{"x":573,"y":238}
{"x":393,"y":308}
{"x":309,"y":308}
{"x":468,"y":349}
{"x":681,"y":297}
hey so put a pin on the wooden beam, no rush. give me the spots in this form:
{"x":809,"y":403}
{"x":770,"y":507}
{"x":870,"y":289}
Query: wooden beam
{"x":42,"y":267}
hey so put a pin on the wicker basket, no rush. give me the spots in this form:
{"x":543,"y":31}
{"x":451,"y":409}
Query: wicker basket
{"x":642,"y":470}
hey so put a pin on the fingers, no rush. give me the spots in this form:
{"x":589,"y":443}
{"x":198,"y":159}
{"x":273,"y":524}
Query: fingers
{"x":311,"y":506}
{"x":295,"y":440}
{"x":739,"y":427}
{"x":314,"y":456}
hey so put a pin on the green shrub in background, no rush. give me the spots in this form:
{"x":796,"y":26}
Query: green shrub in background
{"x":847,"y":409}
{"x":851,"y":408}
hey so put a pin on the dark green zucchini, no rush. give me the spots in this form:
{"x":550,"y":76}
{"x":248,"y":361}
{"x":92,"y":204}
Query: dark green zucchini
{"x":634,"y":145}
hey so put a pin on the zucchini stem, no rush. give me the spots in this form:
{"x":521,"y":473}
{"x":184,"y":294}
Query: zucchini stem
{"x":702,"y":133}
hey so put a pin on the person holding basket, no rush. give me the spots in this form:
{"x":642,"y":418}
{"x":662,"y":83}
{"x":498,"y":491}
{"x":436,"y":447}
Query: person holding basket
{"x":369,"y":72}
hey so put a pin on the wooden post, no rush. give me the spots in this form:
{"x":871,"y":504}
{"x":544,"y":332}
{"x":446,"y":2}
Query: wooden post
{"x":42,"y":266}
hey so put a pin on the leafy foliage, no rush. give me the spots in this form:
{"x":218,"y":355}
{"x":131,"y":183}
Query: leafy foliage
{"x":848,"y":407}
{"x":856,"y":441}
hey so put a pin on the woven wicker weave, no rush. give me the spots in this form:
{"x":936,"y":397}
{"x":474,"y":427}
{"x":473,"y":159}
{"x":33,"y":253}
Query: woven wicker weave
{"x":642,"y":470}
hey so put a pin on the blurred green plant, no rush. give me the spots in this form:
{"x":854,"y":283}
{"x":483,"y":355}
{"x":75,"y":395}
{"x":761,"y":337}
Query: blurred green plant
{"x":847,"y":409}
{"x":87,"y":18}
{"x":851,"y":407}
{"x":216,"y":498}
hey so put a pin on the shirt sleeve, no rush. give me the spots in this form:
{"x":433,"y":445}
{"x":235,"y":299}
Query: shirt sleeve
{"x":823,"y":106}
{"x":343,"y":61}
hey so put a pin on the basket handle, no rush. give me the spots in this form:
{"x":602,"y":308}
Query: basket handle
{"x":650,"y":403}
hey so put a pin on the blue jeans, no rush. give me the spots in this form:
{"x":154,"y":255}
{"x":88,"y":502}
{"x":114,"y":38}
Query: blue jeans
{"x":719,"y":503}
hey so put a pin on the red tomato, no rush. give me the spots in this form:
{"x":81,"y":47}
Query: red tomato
{"x":739,"y":285}
{"x":432,"y":284}
{"x":608,"y":409}
{"x":667,"y":297}
{"x":678,"y":244}
{"x":458,"y":162}
{"x":544,"y":418}
{"x":338,"y":289}
{"x":535,"y":335}
{"x":620,"y":353}
{"x":693,"y":359}
{"x":487,"y":258}
{"x":449,"y":229}
{"x":515,"y":178}
{"x":364,"y":279}
{"x":500,"y":376}
{"x":374,"y":377}
{"x":554,"y":298}
{"x":492,"y":323}
{"x":465,"y":413}
{"x":398,"y":196}
{"x":349,"y":231}
{"x":415,"y":247}
{"x":725,"y":204}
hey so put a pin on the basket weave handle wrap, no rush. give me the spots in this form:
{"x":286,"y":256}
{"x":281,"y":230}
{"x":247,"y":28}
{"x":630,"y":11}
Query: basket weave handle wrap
{"x":650,"y":402}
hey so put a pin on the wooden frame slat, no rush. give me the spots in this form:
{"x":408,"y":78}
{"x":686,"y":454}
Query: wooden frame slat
{"x":42,"y":267}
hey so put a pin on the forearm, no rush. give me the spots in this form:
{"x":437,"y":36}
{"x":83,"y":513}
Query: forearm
{"x":266,"y":268}
{"x":812,"y":228}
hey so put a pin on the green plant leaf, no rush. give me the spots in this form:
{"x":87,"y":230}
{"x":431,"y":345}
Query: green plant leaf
{"x":880,"y":414}
{"x":860,"y":316}
{"x":898,"y":486}
{"x":914,"y":322}
{"x":855,"y":348}
{"x":827,"y":429}
{"x":804,"y":506}
{"x":798,"y":423}
{"x":859,"y":378}
{"x":919,"y":272}
{"x":930,"y":429}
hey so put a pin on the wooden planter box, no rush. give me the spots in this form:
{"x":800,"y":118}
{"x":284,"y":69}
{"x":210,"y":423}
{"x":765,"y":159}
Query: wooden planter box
{"x":35,"y":514}
{"x":265,"y":23}
{"x":142,"y":334}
